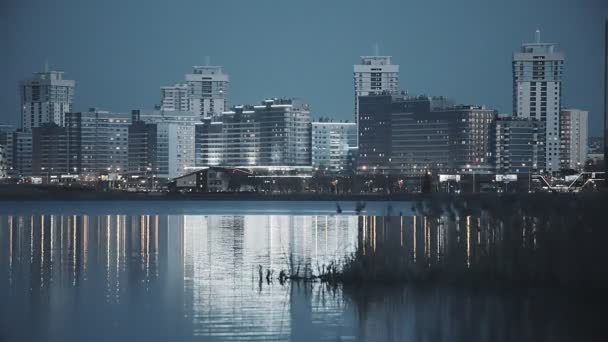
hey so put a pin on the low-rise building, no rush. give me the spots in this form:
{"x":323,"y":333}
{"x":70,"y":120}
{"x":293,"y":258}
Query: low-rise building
{"x":212,"y":179}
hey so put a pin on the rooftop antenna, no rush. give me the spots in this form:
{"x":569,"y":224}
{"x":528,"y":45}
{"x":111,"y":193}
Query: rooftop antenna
{"x":376,"y":50}
{"x":207,"y":60}
{"x":537,"y":36}
{"x":46,"y":65}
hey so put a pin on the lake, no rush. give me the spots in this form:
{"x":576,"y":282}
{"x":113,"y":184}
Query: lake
{"x":156,"y":271}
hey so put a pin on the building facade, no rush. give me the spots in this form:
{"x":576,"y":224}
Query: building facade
{"x":174,"y":141}
{"x":410,"y":136}
{"x":99,"y":142}
{"x":207,"y":91}
{"x":18,"y":153}
{"x":334,"y":145}
{"x":375,"y":74}
{"x":573,"y":138}
{"x":175,"y":98}
{"x":45,"y":98}
{"x":142,"y":147}
{"x":275,"y":133}
{"x":5,"y":131}
{"x":520,"y":147}
{"x":51,"y":151}
{"x":537,"y":92}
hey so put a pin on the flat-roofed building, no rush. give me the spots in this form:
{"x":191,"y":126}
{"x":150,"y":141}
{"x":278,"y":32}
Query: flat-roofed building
{"x":99,"y":142}
{"x":174,"y":141}
{"x":573,"y":138}
{"x":275,"y":133}
{"x":51,"y":151}
{"x":334,"y":146}
{"x":520,"y":146}
{"x":410,"y":136}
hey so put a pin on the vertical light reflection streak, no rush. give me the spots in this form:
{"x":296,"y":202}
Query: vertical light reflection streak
{"x":118,"y":234}
{"x":468,"y":241}
{"x":374,"y":234}
{"x":10,"y":250}
{"x":316,"y":237}
{"x":401,"y":224}
{"x":42,"y":251}
{"x":148,"y":250}
{"x":326,"y":224}
{"x":414,"y":235}
{"x":31,"y":240}
{"x":156,"y":224}
{"x":438,"y":238}
{"x":364,"y":240}
{"x":75,"y":249}
{"x":107,"y":258}
{"x":85,"y":245}
{"x":52,"y":237}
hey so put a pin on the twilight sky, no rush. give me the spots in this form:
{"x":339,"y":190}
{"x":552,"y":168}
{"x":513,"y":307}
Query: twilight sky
{"x":121,"y":52}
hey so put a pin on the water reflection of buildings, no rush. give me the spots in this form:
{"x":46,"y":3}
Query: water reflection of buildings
{"x":222,"y":256}
{"x":430,"y":240}
{"x":202,"y":269}
{"x":57,"y":251}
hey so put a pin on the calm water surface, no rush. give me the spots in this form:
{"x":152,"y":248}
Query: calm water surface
{"x":73,"y":276}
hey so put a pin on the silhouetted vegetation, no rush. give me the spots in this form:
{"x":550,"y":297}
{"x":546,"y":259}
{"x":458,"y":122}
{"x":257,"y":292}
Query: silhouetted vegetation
{"x":539,"y":240}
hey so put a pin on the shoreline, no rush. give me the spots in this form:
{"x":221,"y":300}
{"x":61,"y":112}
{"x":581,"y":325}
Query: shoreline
{"x":33,"y":193}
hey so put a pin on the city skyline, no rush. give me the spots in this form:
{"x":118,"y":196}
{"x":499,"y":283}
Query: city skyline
{"x":268,"y":73}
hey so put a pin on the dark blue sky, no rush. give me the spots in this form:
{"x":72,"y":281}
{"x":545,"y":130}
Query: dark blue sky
{"x":121,"y":52}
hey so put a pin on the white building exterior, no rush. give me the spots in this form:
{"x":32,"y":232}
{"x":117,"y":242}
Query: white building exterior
{"x":175,"y":98}
{"x":334,"y":145}
{"x":45,"y":97}
{"x":573,"y":136}
{"x":537,"y":86}
{"x":207,"y":91}
{"x":374,"y":74}
{"x":275,"y":133}
{"x":174,"y":141}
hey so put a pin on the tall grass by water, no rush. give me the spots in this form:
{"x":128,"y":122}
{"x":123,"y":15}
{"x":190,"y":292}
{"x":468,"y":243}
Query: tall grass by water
{"x":537,"y":240}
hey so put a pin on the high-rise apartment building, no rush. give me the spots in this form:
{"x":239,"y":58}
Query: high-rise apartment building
{"x":18,"y":152}
{"x":409,"y":136}
{"x":142,"y":146}
{"x":537,"y":92}
{"x":175,"y":98}
{"x":374,"y":75}
{"x":573,"y":137}
{"x":5,"y":131}
{"x":207,"y":91}
{"x":51,"y":151}
{"x":275,"y":133}
{"x":45,"y":97}
{"x":174,"y":141}
{"x":98,"y":142}
{"x":520,"y":147}
{"x":334,"y":145}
